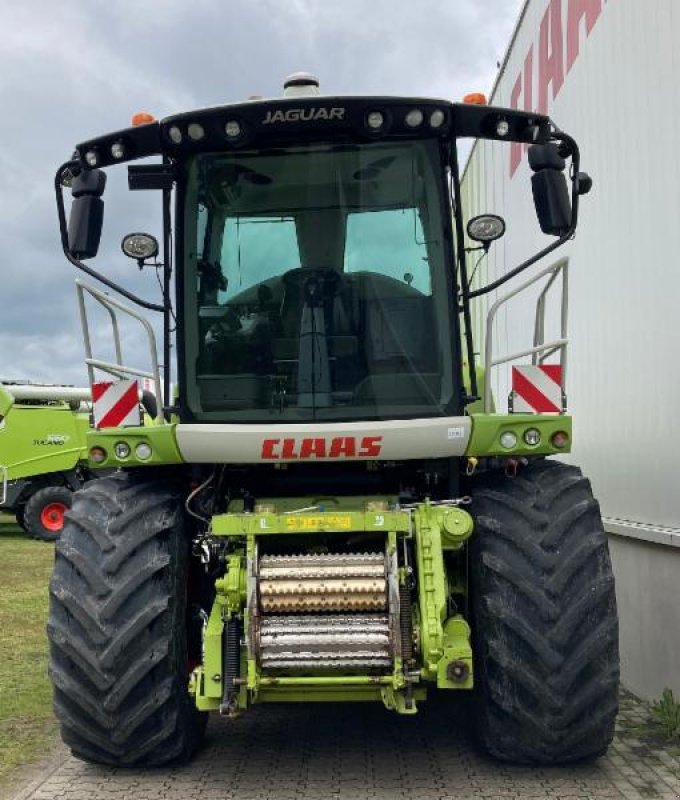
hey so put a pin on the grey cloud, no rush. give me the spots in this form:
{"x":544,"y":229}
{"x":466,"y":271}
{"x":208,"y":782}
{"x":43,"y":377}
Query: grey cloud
{"x":79,"y":68}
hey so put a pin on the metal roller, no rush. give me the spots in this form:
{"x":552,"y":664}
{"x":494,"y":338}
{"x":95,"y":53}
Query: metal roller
{"x":325,"y":642}
{"x":304,"y":603}
{"x":343,"y":582}
{"x":347,"y":634}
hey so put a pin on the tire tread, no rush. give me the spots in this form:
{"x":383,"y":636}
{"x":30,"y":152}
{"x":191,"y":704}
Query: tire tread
{"x":545,"y":624}
{"x":116,"y":626}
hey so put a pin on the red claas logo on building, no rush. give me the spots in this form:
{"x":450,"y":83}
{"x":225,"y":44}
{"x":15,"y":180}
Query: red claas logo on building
{"x":564,"y":27}
{"x":318,"y":447}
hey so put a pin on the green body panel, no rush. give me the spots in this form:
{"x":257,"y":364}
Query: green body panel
{"x":37,"y":440}
{"x":434,"y":530}
{"x":309,"y":522}
{"x":487,"y":429}
{"x":161,"y":438}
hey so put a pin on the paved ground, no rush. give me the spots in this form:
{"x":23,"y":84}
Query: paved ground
{"x":365,"y":753}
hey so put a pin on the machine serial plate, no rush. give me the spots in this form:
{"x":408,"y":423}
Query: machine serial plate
{"x":321,"y":522}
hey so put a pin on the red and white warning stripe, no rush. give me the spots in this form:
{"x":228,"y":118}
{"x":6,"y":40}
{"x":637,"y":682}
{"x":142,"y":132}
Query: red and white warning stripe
{"x":537,"y":388}
{"x":116,"y":404}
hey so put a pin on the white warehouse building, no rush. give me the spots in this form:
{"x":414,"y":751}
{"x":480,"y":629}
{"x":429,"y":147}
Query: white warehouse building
{"x":608,"y":73}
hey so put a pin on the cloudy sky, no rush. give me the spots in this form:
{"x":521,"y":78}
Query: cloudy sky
{"x":73,"y":69}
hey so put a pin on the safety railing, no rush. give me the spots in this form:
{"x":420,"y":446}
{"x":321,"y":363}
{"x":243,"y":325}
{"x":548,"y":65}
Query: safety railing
{"x":541,"y":349}
{"x":4,"y":480}
{"x":118,"y":369}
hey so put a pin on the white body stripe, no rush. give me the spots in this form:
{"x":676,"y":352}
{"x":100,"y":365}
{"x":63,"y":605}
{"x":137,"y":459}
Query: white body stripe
{"x":403,"y":439}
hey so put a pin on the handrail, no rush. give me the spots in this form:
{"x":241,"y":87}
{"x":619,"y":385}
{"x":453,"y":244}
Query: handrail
{"x":4,"y":480}
{"x":545,"y":349}
{"x":118,"y":369}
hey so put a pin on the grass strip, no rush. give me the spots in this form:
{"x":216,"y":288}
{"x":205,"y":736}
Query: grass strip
{"x":27,"y":724}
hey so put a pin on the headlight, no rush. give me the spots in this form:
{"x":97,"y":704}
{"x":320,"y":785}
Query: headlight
{"x":502,"y":127}
{"x":437,"y":118}
{"x":122,"y":450}
{"x":375,"y":120}
{"x":508,"y":440}
{"x":98,"y":455}
{"x":532,"y":436}
{"x":143,"y":451}
{"x":560,"y":439}
{"x":139,"y":246}
{"x":486,"y":228}
{"x":414,"y":118}
{"x":118,"y":150}
{"x":91,"y":158}
{"x":196,"y":131}
{"x":232,"y":129}
{"x":175,"y":135}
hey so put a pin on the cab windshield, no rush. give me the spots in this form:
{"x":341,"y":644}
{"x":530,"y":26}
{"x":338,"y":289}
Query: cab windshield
{"x":316,"y":284}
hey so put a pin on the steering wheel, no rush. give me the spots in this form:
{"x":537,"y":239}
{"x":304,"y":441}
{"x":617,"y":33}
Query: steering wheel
{"x":315,"y":285}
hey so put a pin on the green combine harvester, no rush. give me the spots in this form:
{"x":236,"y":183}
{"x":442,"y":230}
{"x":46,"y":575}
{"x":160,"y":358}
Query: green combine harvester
{"x":43,"y":453}
{"x":329,"y":509}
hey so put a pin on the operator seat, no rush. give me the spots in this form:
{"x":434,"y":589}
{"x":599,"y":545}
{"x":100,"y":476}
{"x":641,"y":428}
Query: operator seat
{"x":340,"y":321}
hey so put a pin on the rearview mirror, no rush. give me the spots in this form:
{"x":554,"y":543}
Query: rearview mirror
{"x":87,"y":213}
{"x":549,"y":187}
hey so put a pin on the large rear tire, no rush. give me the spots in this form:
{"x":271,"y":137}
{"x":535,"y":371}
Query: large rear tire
{"x":545,"y":621}
{"x":43,"y":515}
{"x":118,"y":626}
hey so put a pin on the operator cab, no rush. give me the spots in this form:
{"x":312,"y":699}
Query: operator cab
{"x":316,"y":283}
{"x":319,"y":250}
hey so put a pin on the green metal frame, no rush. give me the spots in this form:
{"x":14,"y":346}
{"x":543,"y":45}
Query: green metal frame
{"x":444,"y":639}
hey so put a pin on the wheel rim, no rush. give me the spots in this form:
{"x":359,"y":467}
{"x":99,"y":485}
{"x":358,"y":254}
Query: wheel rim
{"x":52,"y":516}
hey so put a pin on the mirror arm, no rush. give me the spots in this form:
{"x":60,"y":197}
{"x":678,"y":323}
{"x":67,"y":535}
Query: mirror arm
{"x":74,"y":167}
{"x":572,"y":150}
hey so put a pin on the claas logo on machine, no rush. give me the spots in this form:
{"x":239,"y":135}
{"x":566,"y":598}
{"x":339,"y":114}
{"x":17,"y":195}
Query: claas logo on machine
{"x":318,"y":447}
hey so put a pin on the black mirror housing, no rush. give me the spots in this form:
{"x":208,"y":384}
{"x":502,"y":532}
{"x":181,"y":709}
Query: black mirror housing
{"x":87,"y":213}
{"x":549,"y":187}
{"x":545,"y":156}
{"x":89,"y":182}
{"x":551,"y":200}
{"x":85,"y":226}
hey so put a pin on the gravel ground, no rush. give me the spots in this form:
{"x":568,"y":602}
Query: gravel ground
{"x":358,"y":752}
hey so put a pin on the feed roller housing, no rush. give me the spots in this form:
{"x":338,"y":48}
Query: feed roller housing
{"x":346,"y":623}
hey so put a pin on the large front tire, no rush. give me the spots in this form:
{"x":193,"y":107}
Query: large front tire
{"x":545,"y":621}
{"x":118,"y":626}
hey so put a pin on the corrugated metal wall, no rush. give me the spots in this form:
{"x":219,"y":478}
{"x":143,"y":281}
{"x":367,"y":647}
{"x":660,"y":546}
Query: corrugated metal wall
{"x":620,"y":98}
